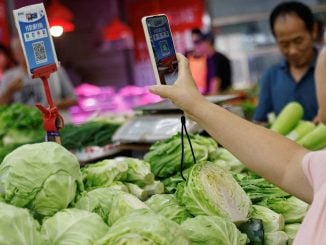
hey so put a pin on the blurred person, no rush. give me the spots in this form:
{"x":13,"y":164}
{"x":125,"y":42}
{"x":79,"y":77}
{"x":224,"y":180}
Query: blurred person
{"x":281,"y":161}
{"x":292,"y":79}
{"x":217,"y":74}
{"x":6,"y":60}
{"x":18,"y":87}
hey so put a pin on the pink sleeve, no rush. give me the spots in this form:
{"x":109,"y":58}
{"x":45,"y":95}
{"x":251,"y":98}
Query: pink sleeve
{"x":314,"y":167}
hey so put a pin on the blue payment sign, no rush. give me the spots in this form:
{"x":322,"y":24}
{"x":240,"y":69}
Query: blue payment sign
{"x":33,"y":29}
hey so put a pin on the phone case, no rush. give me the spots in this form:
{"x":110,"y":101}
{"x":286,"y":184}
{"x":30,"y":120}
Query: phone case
{"x":149,"y":45}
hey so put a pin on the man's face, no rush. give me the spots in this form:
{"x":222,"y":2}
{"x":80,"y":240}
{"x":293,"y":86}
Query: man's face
{"x":294,"y":40}
{"x":200,"y":46}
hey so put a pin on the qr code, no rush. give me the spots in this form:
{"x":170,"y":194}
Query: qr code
{"x":39,"y":52}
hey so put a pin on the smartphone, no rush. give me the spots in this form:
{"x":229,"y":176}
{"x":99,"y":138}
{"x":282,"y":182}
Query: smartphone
{"x":161,"y":48}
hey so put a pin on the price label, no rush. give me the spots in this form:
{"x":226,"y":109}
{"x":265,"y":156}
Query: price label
{"x":33,"y":28}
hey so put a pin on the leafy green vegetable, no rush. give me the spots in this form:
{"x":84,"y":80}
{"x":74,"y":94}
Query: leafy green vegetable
{"x":139,"y":172}
{"x":275,"y":238}
{"x":92,"y":133}
{"x":223,"y":158}
{"x":21,"y":117}
{"x":143,"y":227}
{"x":168,"y":206}
{"x":210,"y":190}
{"x":164,"y":156}
{"x":211,"y":230}
{"x":73,"y":226}
{"x":98,"y":201}
{"x":292,"y":208}
{"x":272,"y":221}
{"x":104,"y":173}
{"x":17,"y":226}
{"x":291,"y":230}
{"x":258,"y":188}
{"x":123,"y":204}
{"x":43,"y":177}
{"x":288,"y":118}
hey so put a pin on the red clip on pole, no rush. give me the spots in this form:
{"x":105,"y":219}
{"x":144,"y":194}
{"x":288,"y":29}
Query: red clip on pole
{"x":52,"y":120}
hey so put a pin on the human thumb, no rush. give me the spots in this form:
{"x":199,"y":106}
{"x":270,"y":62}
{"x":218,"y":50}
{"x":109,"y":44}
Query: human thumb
{"x":161,"y":90}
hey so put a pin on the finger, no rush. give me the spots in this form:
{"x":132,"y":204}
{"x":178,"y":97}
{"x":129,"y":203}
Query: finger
{"x":161,"y":90}
{"x":183,"y":65}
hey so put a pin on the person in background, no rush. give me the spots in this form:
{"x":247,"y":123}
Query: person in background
{"x":18,"y":87}
{"x":6,"y":60}
{"x":292,"y":79}
{"x":274,"y":157}
{"x":218,"y":71}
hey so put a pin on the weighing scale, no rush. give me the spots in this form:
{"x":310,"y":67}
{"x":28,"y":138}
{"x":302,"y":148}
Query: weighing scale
{"x":161,"y":120}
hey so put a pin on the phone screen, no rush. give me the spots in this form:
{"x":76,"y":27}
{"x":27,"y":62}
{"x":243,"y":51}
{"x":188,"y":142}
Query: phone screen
{"x":163,"y":48}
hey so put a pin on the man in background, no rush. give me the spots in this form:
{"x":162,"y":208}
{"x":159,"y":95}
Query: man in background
{"x":292,"y":79}
{"x":211,"y":69}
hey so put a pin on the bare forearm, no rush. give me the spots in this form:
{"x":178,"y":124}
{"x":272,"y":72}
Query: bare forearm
{"x":65,"y":103}
{"x":5,"y":98}
{"x":268,"y":154}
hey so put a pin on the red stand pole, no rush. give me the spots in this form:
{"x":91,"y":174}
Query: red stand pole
{"x":52,"y":120}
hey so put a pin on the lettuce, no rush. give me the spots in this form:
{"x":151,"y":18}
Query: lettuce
{"x":73,"y":226}
{"x":17,"y":226}
{"x":143,"y":227}
{"x":98,"y":201}
{"x":210,"y":190}
{"x":272,"y":221}
{"x":43,"y":177}
{"x":165,"y":156}
{"x":168,"y":206}
{"x":211,"y":230}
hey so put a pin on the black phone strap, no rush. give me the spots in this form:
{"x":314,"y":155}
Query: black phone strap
{"x":184,"y":129}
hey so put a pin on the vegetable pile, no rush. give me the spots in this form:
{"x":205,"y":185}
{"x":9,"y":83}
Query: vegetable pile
{"x":21,"y":124}
{"x":124,"y":200}
{"x":290,"y":123}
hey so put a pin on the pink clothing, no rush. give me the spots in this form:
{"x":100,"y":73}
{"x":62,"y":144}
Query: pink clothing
{"x":313,"y":229}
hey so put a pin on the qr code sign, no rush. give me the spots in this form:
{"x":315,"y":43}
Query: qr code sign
{"x":39,"y":52}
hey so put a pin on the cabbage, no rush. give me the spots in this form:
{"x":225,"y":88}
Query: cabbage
{"x":292,"y":208}
{"x":143,"y":227}
{"x":139,"y":172}
{"x":168,"y":206}
{"x":211,"y":230}
{"x":164,"y":156}
{"x":43,"y":177}
{"x":223,"y":158}
{"x":210,"y":190}
{"x":104,"y":173}
{"x":123,"y":204}
{"x":275,"y":238}
{"x":73,"y":226}
{"x":17,"y":226}
{"x":291,"y":230}
{"x":98,"y":201}
{"x":272,"y":221}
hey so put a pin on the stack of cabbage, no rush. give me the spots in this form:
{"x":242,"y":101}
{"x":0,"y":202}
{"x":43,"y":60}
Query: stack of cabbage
{"x":45,"y":198}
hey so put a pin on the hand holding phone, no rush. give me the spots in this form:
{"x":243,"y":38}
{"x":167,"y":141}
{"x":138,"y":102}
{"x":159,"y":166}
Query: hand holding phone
{"x":161,"y":48}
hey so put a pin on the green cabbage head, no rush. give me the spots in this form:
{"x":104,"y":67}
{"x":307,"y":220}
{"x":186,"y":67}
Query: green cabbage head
{"x":43,"y":177}
{"x":210,"y":190}
{"x":211,"y":230}
{"x":143,"y":227}
{"x":17,"y":226}
{"x":73,"y":226}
